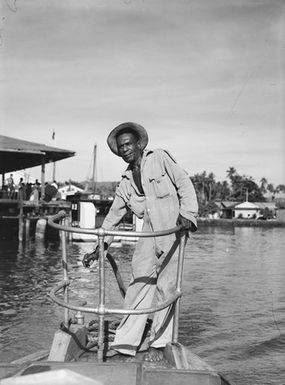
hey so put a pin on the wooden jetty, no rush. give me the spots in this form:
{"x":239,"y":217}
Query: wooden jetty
{"x":18,"y":219}
{"x":18,"y":216}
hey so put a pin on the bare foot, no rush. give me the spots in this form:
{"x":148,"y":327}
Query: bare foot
{"x":111,"y":353}
{"x":154,"y":355}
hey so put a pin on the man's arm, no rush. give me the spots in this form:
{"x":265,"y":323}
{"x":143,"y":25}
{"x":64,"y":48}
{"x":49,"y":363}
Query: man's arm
{"x":186,"y":193}
{"x":113,"y":218}
{"x":111,"y":221}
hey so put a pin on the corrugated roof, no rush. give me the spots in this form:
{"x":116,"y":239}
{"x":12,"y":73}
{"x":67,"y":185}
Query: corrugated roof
{"x":17,"y":154}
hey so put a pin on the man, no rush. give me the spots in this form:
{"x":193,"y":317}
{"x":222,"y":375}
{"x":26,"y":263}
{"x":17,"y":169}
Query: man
{"x":11,"y":186}
{"x":22,"y":189}
{"x":156,"y":189}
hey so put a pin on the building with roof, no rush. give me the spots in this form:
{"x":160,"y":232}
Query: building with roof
{"x":18,"y":213}
{"x":17,"y":154}
{"x":254,"y":210}
{"x":225,"y":209}
{"x":245,"y":210}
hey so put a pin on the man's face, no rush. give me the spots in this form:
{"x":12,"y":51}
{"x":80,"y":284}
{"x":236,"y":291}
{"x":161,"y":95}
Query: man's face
{"x":128,"y":147}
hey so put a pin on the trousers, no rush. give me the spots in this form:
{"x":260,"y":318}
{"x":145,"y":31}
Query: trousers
{"x":153,"y":281}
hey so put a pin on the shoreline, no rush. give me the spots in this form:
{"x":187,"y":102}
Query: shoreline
{"x":240,"y":222}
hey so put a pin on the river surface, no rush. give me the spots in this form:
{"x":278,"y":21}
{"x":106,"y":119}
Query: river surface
{"x":233,"y":309}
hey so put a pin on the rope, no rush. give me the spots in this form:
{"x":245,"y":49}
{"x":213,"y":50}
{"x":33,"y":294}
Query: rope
{"x":117,"y":275}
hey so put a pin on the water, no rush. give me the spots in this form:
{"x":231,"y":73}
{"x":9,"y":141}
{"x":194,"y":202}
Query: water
{"x":232,"y":310}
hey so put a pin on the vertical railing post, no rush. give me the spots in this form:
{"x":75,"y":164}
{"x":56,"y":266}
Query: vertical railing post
{"x":179,"y":285}
{"x":101,"y":294}
{"x":65,"y":273}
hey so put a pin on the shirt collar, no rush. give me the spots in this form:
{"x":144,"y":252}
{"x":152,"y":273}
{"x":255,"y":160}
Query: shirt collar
{"x":128,"y":172}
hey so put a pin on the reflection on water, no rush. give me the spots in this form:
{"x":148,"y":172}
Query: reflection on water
{"x":232,"y":311}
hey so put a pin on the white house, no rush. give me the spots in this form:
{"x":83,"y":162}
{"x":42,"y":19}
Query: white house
{"x":253,"y":209}
{"x":246,"y":210}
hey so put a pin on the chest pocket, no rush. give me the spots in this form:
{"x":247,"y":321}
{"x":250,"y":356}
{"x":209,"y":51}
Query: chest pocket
{"x":160,"y":185}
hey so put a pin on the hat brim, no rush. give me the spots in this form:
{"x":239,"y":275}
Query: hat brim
{"x":137,"y":128}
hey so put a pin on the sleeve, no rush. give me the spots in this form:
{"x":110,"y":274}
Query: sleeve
{"x":185,"y":189}
{"x":116,"y":213}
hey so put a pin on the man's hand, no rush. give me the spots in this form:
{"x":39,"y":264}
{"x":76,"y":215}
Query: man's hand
{"x":185,"y":223}
{"x":90,"y":257}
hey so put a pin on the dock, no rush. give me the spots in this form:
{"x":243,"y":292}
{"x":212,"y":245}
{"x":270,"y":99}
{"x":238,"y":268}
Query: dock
{"x":18,"y":214}
{"x":18,"y":218}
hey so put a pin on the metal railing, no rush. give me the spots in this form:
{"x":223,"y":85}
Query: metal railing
{"x":101,"y":310}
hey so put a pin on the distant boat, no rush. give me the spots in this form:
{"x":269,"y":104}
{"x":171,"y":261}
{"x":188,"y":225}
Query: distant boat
{"x":88,"y":213}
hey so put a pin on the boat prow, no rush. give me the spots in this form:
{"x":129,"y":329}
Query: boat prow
{"x":179,"y":366}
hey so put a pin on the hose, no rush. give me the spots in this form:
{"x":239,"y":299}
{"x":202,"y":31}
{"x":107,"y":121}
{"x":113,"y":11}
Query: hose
{"x":117,"y":275}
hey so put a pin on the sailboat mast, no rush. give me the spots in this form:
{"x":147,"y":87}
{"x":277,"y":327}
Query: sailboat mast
{"x":94,"y":169}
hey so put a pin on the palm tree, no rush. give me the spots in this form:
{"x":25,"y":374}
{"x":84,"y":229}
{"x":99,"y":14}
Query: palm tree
{"x":211,"y":184}
{"x":231,"y":172}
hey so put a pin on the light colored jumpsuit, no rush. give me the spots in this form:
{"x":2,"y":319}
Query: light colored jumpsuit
{"x":168,"y":191}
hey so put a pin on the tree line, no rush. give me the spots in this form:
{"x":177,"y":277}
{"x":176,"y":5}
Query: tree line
{"x":236,"y":187}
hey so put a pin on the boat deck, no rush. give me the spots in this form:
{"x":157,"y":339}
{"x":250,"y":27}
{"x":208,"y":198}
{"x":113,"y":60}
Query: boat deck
{"x":118,"y":370}
{"x":116,"y":373}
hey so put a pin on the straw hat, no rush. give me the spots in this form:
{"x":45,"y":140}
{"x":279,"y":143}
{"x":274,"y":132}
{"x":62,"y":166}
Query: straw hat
{"x":129,"y":126}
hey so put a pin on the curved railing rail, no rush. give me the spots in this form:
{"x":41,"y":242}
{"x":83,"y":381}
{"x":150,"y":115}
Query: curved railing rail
{"x":101,"y":309}
{"x":102,"y":232}
{"x":97,"y":310}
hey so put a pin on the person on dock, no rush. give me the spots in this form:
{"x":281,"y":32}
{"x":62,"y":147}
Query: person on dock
{"x":34,"y":194}
{"x":158,"y":190}
{"x":21,"y":190}
{"x":11,"y":186}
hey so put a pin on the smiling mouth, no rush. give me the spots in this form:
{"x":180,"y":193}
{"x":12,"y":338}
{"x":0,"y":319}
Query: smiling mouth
{"x":128,"y":158}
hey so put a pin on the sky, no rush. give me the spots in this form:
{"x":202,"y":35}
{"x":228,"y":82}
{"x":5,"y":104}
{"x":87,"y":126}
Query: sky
{"x":204,"y":77}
